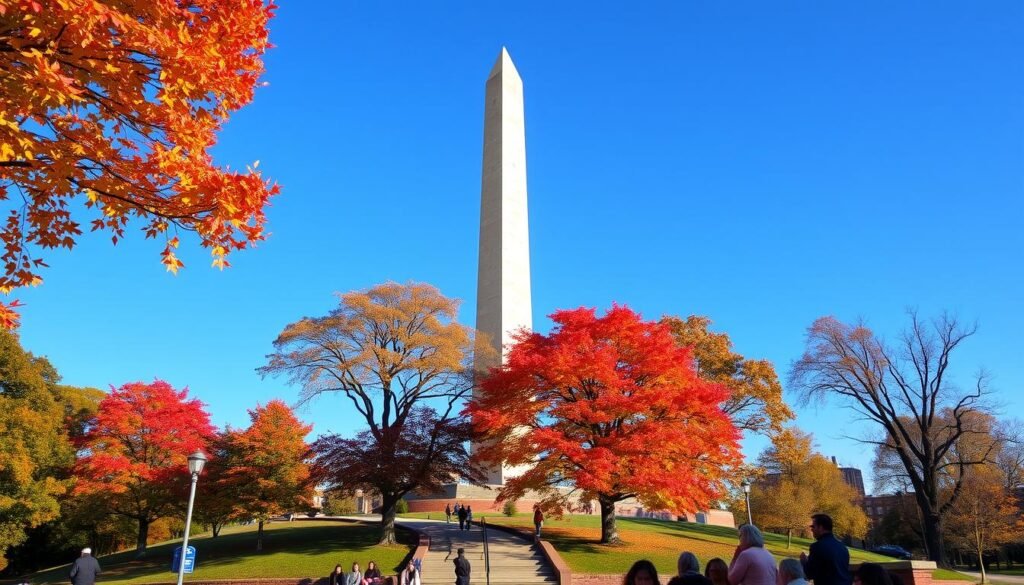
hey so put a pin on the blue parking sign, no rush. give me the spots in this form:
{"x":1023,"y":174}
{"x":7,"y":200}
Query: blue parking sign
{"x":190,"y":559}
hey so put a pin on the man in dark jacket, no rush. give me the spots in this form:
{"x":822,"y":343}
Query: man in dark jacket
{"x":85,"y":569}
{"x":461,"y":568}
{"x":829,"y":561}
{"x":462,"y":517}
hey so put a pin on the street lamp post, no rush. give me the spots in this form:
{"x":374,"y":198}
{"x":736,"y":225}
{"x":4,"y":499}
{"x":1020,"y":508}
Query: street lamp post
{"x":746,"y":491}
{"x":196,"y":461}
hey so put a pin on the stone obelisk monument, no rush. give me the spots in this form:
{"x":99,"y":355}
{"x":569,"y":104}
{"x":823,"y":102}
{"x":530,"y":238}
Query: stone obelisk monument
{"x":503,"y":280}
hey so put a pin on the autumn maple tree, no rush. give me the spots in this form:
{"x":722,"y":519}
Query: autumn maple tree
{"x":136,"y":451}
{"x":755,"y":400}
{"x":267,"y":465}
{"x":612,"y":407}
{"x":110,"y":109}
{"x":403,"y":362}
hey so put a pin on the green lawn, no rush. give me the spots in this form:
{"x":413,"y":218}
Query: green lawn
{"x":576,"y":539}
{"x":290,"y":549}
{"x":948,"y":575}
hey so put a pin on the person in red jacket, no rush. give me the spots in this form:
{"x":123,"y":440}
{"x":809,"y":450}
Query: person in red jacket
{"x":538,"y":522}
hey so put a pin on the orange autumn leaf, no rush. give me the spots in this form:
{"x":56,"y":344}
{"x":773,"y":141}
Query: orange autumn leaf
{"x":115,"y":106}
{"x":611,"y":406}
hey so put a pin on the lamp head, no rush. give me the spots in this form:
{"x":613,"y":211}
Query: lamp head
{"x":746,"y":487}
{"x":196,"y":461}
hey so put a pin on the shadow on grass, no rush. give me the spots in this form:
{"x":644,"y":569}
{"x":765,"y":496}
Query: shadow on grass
{"x":238,"y":548}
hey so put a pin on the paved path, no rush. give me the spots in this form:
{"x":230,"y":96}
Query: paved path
{"x":513,"y":560}
{"x":1009,"y":579}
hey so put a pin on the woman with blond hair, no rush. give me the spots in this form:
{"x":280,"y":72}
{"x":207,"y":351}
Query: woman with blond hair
{"x":751,"y":563}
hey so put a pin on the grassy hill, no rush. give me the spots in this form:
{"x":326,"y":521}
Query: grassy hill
{"x":290,"y":549}
{"x":576,"y":539}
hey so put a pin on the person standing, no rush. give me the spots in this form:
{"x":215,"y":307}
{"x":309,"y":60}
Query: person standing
{"x":85,"y":569}
{"x":447,"y":513}
{"x":469,"y":517}
{"x":461,"y":513}
{"x":462,"y":568}
{"x":538,"y":522}
{"x":752,"y":564}
{"x":829,"y":561}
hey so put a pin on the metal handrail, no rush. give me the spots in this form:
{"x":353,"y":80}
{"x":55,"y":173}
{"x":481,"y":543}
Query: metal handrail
{"x":487,"y":551}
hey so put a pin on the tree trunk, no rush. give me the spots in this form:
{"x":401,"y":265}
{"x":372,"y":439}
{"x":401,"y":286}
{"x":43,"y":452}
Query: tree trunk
{"x":609,"y":532}
{"x":933,"y":539}
{"x":789,"y":538}
{"x":216,"y":527}
{"x":981,"y":556}
{"x":140,"y":543}
{"x":389,"y":503}
{"x":259,"y":537}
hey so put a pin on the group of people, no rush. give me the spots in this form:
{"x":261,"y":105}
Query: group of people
{"x":372,"y":575}
{"x":827,"y":564}
{"x":464,"y":514}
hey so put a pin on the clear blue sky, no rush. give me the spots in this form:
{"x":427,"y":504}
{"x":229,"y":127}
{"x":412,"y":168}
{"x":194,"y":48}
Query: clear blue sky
{"x":760,"y":163}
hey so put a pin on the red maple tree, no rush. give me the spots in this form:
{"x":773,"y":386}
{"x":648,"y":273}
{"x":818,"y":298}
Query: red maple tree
{"x":114,"y":106}
{"x":137,"y":448}
{"x":607,"y":408}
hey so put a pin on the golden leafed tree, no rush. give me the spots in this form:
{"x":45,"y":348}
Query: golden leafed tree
{"x":985,"y":516}
{"x":755,"y":395}
{"x":403,"y":362}
{"x":798,"y":482}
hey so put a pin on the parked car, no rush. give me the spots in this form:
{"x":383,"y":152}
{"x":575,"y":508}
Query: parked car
{"x":892,"y":550}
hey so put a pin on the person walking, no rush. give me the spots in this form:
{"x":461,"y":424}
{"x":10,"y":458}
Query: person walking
{"x":829,"y":561}
{"x":791,"y":572}
{"x":462,"y":568}
{"x":447,"y":513}
{"x":751,"y":563}
{"x":469,"y":517}
{"x":538,"y":522}
{"x":461,"y":513}
{"x":85,"y":569}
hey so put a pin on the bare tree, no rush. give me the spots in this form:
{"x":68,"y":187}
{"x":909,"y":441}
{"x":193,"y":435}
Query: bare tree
{"x":906,"y":390}
{"x":1010,"y":458}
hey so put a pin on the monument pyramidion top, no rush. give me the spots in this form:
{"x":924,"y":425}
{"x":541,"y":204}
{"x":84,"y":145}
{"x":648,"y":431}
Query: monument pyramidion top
{"x":503,"y":64}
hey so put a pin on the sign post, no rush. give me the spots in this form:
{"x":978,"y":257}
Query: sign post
{"x":190,"y":560}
